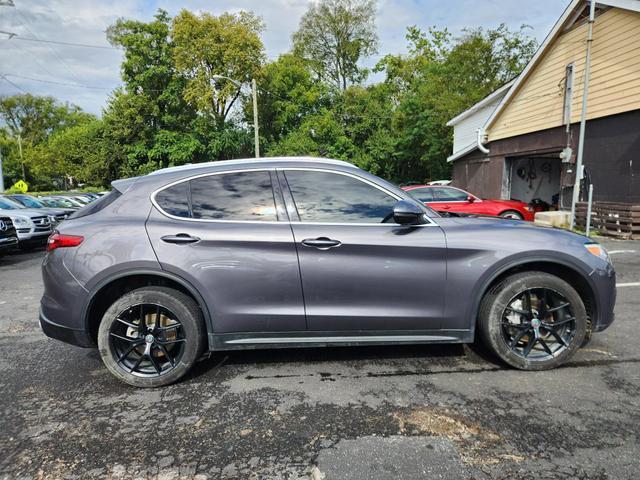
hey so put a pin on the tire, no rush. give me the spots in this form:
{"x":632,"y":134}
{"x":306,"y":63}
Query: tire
{"x":500,"y":325}
{"x":167,"y":352}
{"x":512,"y":214}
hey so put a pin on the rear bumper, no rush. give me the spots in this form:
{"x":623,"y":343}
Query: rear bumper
{"x":79,"y":338}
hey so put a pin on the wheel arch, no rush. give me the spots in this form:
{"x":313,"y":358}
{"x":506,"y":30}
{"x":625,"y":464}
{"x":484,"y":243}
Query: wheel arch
{"x":577,"y":278}
{"x":103,"y":294}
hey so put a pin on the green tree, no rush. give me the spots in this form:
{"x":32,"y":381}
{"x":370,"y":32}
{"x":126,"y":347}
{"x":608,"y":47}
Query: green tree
{"x":206,"y":47}
{"x":288,"y":93}
{"x":441,"y":77}
{"x":334,"y":35}
{"x":28,"y":122}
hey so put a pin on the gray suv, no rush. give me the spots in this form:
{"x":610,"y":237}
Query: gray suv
{"x":299,"y":252}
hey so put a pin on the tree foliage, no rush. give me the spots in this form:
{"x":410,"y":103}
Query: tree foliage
{"x":334,"y":35}
{"x":173,"y":108}
{"x":207,"y":47}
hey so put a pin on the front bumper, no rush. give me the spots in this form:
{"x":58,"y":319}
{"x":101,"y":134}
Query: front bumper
{"x":32,"y":235}
{"x":604,"y":280}
{"x":79,"y":338}
{"x":7,"y":243}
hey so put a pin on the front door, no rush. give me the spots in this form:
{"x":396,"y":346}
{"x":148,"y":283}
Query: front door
{"x":228,"y":236}
{"x":359,"y":270}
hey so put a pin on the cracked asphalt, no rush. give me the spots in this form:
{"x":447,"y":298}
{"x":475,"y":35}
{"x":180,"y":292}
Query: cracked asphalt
{"x":433,"y":412}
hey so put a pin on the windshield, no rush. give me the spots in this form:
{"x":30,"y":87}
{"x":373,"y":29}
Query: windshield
{"x":30,"y":202}
{"x":6,"y":204}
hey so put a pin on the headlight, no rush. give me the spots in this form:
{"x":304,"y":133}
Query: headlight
{"x":597,"y":250}
{"x":23,"y":221}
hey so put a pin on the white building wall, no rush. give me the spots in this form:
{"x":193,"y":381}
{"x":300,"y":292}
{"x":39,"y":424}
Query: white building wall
{"x":465,"y":132}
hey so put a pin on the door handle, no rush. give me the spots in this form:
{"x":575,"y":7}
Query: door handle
{"x":180,"y":239}
{"x":321,"y":243}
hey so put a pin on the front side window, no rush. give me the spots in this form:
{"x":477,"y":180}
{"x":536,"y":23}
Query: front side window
{"x":327,"y":197}
{"x":444,"y":194}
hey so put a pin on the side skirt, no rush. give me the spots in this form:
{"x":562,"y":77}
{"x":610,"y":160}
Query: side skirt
{"x":251,"y":340}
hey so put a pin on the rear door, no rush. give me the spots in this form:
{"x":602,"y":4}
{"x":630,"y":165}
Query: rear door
{"x":228,"y":234}
{"x":360,"y":271}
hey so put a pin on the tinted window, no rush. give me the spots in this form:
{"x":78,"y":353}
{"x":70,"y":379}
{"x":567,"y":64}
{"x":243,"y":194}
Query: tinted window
{"x":422,"y":194}
{"x":175,"y":200}
{"x":444,"y":194}
{"x":234,"y":196}
{"x":333,"y":198}
{"x":28,"y":201}
{"x":7,"y":204}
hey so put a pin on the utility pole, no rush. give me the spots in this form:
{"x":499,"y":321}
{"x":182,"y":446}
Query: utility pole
{"x":24,"y":175}
{"x":1,"y":174}
{"x":583,"y":118}
{"x":255,"y":117}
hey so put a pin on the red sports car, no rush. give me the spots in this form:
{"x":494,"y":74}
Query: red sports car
{"x":452,"y":199}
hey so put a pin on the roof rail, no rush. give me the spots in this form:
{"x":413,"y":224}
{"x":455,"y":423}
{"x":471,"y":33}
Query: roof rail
{"x":222,"y":163}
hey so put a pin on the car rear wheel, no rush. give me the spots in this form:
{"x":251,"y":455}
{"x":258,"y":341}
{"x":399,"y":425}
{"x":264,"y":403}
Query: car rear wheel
{"x":512,"y":214}
{"x":151,"y":336}
{"x":533,"y":320}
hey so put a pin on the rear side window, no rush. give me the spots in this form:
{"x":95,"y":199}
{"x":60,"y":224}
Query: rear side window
{"x":97,"y":205}
{"x":234,"y":196}
{"x":238,"y":196}
{"x":175,"y":200}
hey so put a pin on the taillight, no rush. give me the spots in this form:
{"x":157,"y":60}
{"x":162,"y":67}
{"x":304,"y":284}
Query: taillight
{"x":59,"y":240}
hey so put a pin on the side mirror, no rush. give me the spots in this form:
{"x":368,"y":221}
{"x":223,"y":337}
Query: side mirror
{"x":407,"y":213}
{"x":471,"y":198}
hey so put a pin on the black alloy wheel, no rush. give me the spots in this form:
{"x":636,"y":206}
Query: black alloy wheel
{"x":538,"y":323}
{"x":147,"y":340}
{"x":533,"y":320}
{"x":151,"y":336}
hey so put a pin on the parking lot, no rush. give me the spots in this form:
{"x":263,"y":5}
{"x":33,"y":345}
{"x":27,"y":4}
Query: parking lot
{"x":363,"y":413}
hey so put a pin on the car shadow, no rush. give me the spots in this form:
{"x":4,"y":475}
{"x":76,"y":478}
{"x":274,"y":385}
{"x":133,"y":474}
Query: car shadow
{"x":18,"y":256}
{"x":454,"y":357}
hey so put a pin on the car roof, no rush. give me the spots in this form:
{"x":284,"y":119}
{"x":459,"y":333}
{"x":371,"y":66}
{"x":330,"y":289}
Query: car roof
{"x":253,"y":162}
{"x":124,"y":184}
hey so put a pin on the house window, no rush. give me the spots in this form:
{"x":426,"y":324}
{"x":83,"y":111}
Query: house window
{"x":568,"y":94}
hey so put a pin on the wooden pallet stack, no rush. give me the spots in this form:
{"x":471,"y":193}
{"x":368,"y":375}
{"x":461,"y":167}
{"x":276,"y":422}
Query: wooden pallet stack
{"x":621,"y":220}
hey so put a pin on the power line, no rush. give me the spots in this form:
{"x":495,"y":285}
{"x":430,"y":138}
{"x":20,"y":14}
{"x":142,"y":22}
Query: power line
{"x":25,"y":22}
{"x":54,"y":82}
{"x":10,"y":82}
{"x":69,"y":44}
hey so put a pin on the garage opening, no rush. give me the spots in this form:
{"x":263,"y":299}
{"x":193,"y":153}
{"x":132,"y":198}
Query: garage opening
{"x":536,"y":180}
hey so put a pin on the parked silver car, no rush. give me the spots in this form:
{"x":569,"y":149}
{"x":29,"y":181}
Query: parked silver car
{"x":32,"y":226}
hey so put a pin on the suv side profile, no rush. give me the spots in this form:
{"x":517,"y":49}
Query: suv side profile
{"x":299,"y":252}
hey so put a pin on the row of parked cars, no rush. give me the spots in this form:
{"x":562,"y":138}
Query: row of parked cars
{"x":27,"y":221}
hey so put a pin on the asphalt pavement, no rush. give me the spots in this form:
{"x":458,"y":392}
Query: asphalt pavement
{"x":432,"y":412}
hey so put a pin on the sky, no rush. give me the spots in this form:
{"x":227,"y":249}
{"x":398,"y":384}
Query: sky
{"x":86,"y":76}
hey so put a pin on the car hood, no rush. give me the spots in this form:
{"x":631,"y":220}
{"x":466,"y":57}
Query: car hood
{"x":531,"y":231}
{"x":25,"y":212}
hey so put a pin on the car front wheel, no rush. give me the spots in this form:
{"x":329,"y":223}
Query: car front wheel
{"x":533,"y":320}
{"x":151,"y":336}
